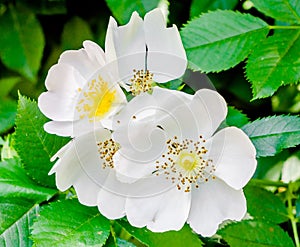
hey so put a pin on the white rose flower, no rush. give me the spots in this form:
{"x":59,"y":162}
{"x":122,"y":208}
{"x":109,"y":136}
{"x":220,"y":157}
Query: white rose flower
{"x":206,"y":168}
{"x":146,"y":51}
{"x":82,"y":91}
{"x":83,"y":87}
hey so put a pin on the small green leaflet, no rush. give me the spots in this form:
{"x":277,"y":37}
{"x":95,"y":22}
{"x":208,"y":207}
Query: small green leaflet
{"x":271,"y":210}
{"x":221,"y":39}
{"x":283,"y":10}
{"x":273,"y":134}
{"x":274,"y":62}
{"x":16,"y":218}
{"x":34,"y":146}
{"x":184,"y":237}
{"x":14,"y":182}
{"x":23,"y":43}
{"x":122,"y":10}
{"x":255,"y":234}
{"x":68,"y":223}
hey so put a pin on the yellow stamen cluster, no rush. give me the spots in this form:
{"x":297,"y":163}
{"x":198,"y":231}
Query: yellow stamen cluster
{"x":96,"y":100}
{"x":107,"y":149}
{"x":141,"y":82}
{"x":185,"y":163}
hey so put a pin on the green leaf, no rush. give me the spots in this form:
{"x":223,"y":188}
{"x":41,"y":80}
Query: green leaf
{"x":7,"y":84}
{"x":8,"y":110}
{"x":278,"y":61}
{"x":255,"y":234}
{"x":75,"y":32}
{"x":221,"y":39}
{"x":283,"y":10}
{"x":23,"y":43}
{"x":16,"y":219}
{"x":201,"y":6}
{"x":184,"y":237}
{"x":273,"y":134}
{"x":14,"y":182}
{"x":264,"y":205}
{"x":236,"y":117}
{"x":122,"y":10}
{"x":68,"y":223}
{"x":34,"y":146}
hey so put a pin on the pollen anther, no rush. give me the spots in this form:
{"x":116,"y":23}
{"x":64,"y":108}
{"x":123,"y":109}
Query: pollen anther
{"x":142,"y":81}
{"x":186,"y":163}
{"x":107,"y":149}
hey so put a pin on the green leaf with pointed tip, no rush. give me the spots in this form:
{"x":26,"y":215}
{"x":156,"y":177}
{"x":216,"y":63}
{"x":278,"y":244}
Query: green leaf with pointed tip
{"x":264,"y":205}
{"x":8,"y":110}
{"x":68,"y":223}
{"x":273,"y":134}
{"x":14,"y":182}
{"x":34,"y":146}
{"x":283,"y":10}
{"x":221,"y":39}
{"x":23,"y":43}
{"x":236,"y":118}
{"x":274,"y":62}
{"x":183,"y":237}
{"x":16,"y":218}
{"x":255,"y":234}
{"x":201,"y":6}
{"x":75,"y":32}
{"x":122,"y":10}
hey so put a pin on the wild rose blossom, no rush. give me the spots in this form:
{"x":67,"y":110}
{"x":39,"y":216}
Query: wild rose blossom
{"x":159,"y":159}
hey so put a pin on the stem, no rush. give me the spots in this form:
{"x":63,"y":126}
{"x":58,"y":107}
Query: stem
{"x":292,"y":217}
{"x":296,"y":236}
{"x":284,"y":27}
{"x":260,"y":182}
{"x":112,"y":231}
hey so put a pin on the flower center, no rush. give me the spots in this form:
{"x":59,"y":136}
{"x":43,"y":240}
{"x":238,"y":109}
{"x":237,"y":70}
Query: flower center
{"x":142,"y":81}
{"x":96,"y":101}
{"x":186,"y":163}
{"x":107,"y":149}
